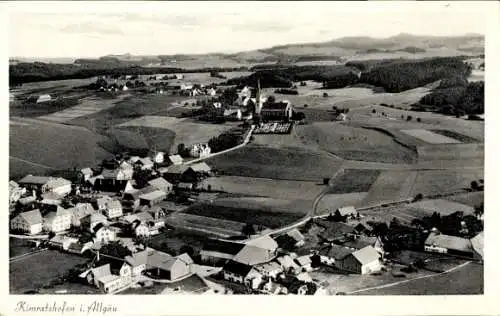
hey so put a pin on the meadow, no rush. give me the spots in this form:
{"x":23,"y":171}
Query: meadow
{"x":391,"y":186}
{"x":353,"y":181}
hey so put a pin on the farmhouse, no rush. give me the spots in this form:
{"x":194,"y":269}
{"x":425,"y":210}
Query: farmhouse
{"x":215,"y":252}
{"x":57,"y":221}
{"x":161,"y":184}
{"x":259,"y":250}
{"x":276,"y":111}
{"x":34,"y":182}
{"x":348,"y":211}
{"x":195,"y":171}
{"x":331,"y":254}
{"x":92,"y":220}
{"x":85,"y":174}
{"x":304,"y":262}
{"x":95,"y":274}
{"x":138,"y":262}
{"x":363,"y":261}
{"x":79,"y":211}
{"x":360,"y":242}
{"x":29,"y":222}
{"x":242,"y":273}
{"x":62,"y":242}
{"x":199,"y":150}
{"x":335,"y":231}
{"x":15,"y":192}
{"x":165,"y":266}
{"x":58,"y":186}
{"x":43,"y":98}
{"x":437,"y":242}
{"x":174,"y":173}
{"x":176,"y":159}
{"x":104,"y":234}
{"x":124,"y":172}
{"x":292,"y":239}
{"x":152,"y":198}
{"x":112,"y":185}
{"x":51,"y":198}
{"x":113,"y":209}
{"x":288,"y":263}
{"x":159,"y":157}
{"x":269,"y":269}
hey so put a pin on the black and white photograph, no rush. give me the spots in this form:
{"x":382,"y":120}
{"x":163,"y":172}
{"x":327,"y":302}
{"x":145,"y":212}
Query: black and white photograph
{"x":257,"y":148}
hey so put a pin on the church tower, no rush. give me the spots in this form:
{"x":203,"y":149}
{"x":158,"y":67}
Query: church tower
{"x":258,"y":103}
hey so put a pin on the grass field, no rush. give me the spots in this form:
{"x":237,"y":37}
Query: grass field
{"x":430,"y":137}
{"x":444,"y":181}
{"x":279,"y":189}
{"x":459,"y":137}
{"x":39,"y":269}
{"x":139,"y":137}
{"x":355,"y":143}
{"x":451,"y":152}
{"x":353,"y":181}
{"x":273,"y":163}
{"x":216,"y":226}
{"x":444,"y":207}
{"x":391,"y":186}
{"x":330,"y":202}
{"x":471,"y":198}
{"x":272,"y":213}
{"x":465,"y":280}
{"x":52,"y":145}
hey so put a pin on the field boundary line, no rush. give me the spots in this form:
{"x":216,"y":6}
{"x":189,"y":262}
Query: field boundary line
{"x":406,"y":281}
{"x":31,"y":162}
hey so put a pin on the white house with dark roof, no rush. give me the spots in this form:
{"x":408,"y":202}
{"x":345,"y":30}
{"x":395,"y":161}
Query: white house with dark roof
{"x":363,"y":261}
{"x":29,"y":222}
{"x":104,"y":234}
{"x":113,"y":209}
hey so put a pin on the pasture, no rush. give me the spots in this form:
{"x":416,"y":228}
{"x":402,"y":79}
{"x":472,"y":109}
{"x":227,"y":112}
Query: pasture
{"x":390,"y":186}
{"x":430,"y":137}
{"x":443,"y":207}
{"x":272,"y":213}
{"x":431,"y":182}
{"x":274,"y":163}
{"x":186,"y":131}
{"x":56,"y":146}
{"x":279,"y":189}
{"x":39,"y":269}
{"x":209,"y":225}
{"x":353,"y":181}
{"x":451,"y":152}
{"x":140,"y":137}
{"x":355,"y":143}
{"x":470,"y":198}
{"x":330,"y":202}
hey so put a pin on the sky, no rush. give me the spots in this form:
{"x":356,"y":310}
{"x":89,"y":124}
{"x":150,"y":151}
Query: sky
{"x":96,"y":29}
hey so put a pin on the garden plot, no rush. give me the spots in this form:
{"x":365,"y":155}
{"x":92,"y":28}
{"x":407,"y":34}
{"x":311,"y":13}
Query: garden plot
{"x":391,"y":186}
{"x":430,"y":137}
{"x":280,"y":189}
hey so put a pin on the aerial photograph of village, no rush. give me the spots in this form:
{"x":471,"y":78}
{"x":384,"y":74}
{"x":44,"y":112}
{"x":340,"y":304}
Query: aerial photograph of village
{"x":272,"y":153}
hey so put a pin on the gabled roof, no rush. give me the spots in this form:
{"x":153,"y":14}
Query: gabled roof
{"x":176,"y":159}
{"x":51,"y":196}
{"x":184,"y":257}
{"x":449,"y":242}
{"x":113,"y":204}
{"x":160,"y":184}
{"x":361,"y":242}
{"x":287,"y":262}
{"x":81,"y":210}
{"x":32,"y":217}
{"x":58,"y":182}
{"x":59,"y":212}
{"x":13,"y":185}
{"x":110,"y":185}
{"x":366,"y":255}
{"x":200,"y":167}
{"x":144,"y":216}
{"x":237,"y":268}
{"x":478,"y":243}
{"x":227,"y":247}
{"x":108,"y":278}
{"x":252,"y":255}
{"x":303,"y":260}
{"x":145,"y":161}
{"x":97,"y":217}
{"x":336,"y":252}
{"x":346,"y":210}
{"x":264,"y":242}
{"x":296,"y":235}
{"x":138,"y":258}
{"x":87,"y":171}
{"x":177,"y":169}
{"x":153,"y":195}
{"x":268,"y":267}
{"x":30,"y":179}
{"x":275,"y":105}
{"x":101,"y":271}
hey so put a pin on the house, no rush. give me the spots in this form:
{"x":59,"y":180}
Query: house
{"x":186,"y":186}
{"x":85,"y":174}
{"x":437,"y":242}
{"x":62,"y":242}
{"x":332,"y":253}
{"x":145,"y":163}
{"x":292,"y":239}
{"x":137,"y":262}
{"x":159,"y":157}
{"x":141,"y":229}
{"x":34,"y":182}
{"x":51,"y":198}
{"x":15,"y":192}
{"x":360,"y":242}
{"x":478,"y":246}
{"x":103,"y":233}
{"x":76,"y":248}
{"x":259,"y":250}
{"x":102,"y":202}
{"x":175,"y":173}
{"x":271,"y":287}
{"x":215,"y":252}
{"x":43,"y":98}
{"x":112,"y":186}
{"x":288,"y":264}
{"x":161,"y":184}
{"x":199,"y":150}
{"x":58,"y":186}
{"x":276,"y":111}
{"x":335,"y":231}
{"x":269,"y":269}
{"x":363,"y":229}
{"x":131,"y":198}
{"x":304,"y":262}
{"x":152,"y":198}
{"x":176,"y":159}
{"x":348,"y":211}
{"x":195,"y":171}
{"x":95,"y":274}
{"x":57,"y":221}
{"x":29,"y":222}
{"x":109,"y":283}
{"x":92,"y":220}
{"x":165,"y":266}
{"x":27,"y":200}
{"x":363,"y":261}
{"x":79,"y":211}
{"x":113,"y":209}
{"x":158,"y":212}
{"x":237,"y":272}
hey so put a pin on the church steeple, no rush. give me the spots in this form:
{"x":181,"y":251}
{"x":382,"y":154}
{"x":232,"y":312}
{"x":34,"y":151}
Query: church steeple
{"x":258,"y":103}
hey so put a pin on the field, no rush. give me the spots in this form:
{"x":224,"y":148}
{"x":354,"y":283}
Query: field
{"x":139,"y":137}
{"x":430,"y":137}
{"x":444,"y":207}
{"x":187,"y":132}
{"x":465,"y":280}
{"x":330,"y":202}
{"x":391,"y":186}
{"x":19,"y":247}
{"x":279,"y":189}
{"x":36,"y":270}
{"x":272,"y":213}
{"x":353,"y":181}
{"x":459,"y":137}
{"x":444,"y":181}
{"x":471,"y":198}
{"x":355,"y":143}
{"x":213,"y":226}
{"x":48,"y":145}
{"x":273,"y":163}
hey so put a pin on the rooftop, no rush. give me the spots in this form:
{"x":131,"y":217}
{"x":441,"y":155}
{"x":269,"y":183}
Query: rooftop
{"x":449,"y":242}
{"x":32,"y":217}
{"x":30,"y":179}
{"x":153,"y":195}
{"x":366,"y":255}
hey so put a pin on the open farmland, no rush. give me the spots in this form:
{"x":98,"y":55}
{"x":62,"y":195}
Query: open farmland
{"x":209,"y":225}
{"x":272,"y":213}
{"x":52,"y":145}
{"x":38,"y":269}
{"x":279,"y":189}
{"x":451,"y":152}
{"x":352,"y":181}
{"x":470,"y":198}
{"x":391,"y":186}
{"x":444,"y":207}
{"x":330,"y":202}
{"x":273,"y":163}
{"x":140,"y":137}
{"x":431,"y":182}
{"x":356,"y":143}
{"x":430,"y":137}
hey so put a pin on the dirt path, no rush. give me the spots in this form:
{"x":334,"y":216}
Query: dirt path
{"x":410,"y":280}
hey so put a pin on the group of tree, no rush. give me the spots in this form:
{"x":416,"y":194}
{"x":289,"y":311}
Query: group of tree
{"x":452,"y":224}
{"x":115,"y":249}
{"x":225,"y":141}
{"x":286,"y":91}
